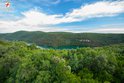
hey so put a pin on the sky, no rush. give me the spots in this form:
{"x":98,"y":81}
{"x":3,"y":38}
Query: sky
{"x":96,"y":16}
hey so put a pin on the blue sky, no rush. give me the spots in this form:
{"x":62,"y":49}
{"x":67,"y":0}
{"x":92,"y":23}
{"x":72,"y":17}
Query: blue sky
{"x":100,"y":16}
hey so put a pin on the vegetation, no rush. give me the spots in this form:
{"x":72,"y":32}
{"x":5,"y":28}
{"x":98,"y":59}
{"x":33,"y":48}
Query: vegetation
{"x":65,"y":39}
{"x":21,"y":63}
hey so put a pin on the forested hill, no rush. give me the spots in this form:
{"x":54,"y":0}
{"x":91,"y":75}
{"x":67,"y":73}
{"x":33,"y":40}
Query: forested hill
{"x":21,"y":63}
{"x":65,"y":39}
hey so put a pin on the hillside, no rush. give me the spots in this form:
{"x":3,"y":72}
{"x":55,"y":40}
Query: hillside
{"x":65,"y":39}
{"x":20,"y":63}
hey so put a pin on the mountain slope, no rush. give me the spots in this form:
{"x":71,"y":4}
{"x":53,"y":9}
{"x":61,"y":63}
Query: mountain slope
{"x":65,"y":39}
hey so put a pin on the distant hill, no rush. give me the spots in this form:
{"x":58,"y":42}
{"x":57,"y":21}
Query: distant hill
{"x":64,"y":39}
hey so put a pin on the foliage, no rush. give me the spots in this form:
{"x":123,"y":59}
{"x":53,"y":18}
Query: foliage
{"x":22,"y":63}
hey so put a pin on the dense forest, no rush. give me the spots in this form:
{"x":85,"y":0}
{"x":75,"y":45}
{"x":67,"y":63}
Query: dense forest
{"x":22,"y":63}
{"x":65,"y":39}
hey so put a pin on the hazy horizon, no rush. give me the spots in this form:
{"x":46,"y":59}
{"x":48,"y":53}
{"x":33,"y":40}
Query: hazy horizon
{"x":65,"y":32}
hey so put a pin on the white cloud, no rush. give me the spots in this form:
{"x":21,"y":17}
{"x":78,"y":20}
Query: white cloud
{"x":99,"y":9}
{"x":34,"y":17}
{"x":108,"y":30}
{"x":8,"y":27}
{"x":37,"y":20}
{"x":112,"y":28}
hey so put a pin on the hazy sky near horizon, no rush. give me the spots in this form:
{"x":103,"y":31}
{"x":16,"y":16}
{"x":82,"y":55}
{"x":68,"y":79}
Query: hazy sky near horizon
{"x":101,"y":16}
